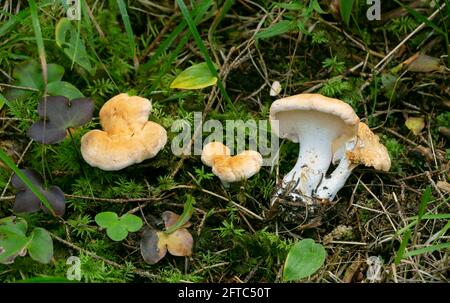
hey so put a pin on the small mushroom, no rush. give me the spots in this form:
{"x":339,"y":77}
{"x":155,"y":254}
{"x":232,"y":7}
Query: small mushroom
{"x":231,"y":168}
{"x":127,"y":137}
{"x":367,"y":151}
{"x":322,"y":126}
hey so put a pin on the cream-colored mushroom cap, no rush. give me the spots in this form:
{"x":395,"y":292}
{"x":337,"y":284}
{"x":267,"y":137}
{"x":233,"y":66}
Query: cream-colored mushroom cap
{"x":127,"y":137}
{"x":294,"y":110}
{"x":369,"y":151}
{"x":212,"y":150}
{"x":231,"y":168}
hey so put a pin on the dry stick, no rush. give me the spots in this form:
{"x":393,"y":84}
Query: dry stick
{"x":392,"y":52}
{"x":19,"y":87}
{"x":356,"y":42}
{"x":140,"y":272}
{"x":156,"y":40}
{"x":381,"y":204}
{"x":225,"y":199}
{"x":97,"y":26}
{"x":116,"y":200}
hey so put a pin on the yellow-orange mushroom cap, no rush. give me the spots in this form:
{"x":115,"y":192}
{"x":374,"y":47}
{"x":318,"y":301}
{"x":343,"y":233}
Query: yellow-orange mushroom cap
{"x":127,"y":137}
{"x":231,"y":168}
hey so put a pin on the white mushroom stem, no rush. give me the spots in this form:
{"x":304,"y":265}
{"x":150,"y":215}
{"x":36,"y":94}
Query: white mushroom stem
{"x":313,"y":160}
{"x":329,"y":186}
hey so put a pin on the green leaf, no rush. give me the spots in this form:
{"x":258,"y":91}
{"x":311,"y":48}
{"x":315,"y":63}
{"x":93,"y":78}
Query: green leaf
{"x":13,"y":240}
{"x":106,"y":219}
{"x":428,"y":249}
{"x":346,"y":7}
{"x":2,"y":101}
{"x":68,"y":39}
{"x":276,"y":29}
{"x":426,"y":198}
{"x":195,"y":77}
{"x":401,"y":249}
{"x":304,"y":259}
{"x":296,"y":5}
{"x":198,"y":40}
{"x":131,"y":222}
{"x":188,"y":210}
{"x":316,"y":6}
{"x":126,"y":22}
{"x":62,"y":88}
{"x":29,"y":74}
{"x":41,"y":246}
{"x":116,"y":231}
{"x":38,"y":35}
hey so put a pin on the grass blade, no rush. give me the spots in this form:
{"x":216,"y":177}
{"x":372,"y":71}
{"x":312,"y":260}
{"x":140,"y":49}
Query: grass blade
{"x":5,"y":158}
{"x":188,"y":210}
{"x":200,"y":12}
{"x":198,"y":40}
{"x":128,"y":28}
{"x":401,"y":249}
{"x":426,"y":197}
{"x":428,"y":249}
{"x":39,"y":40}
{"x":346,"y":7}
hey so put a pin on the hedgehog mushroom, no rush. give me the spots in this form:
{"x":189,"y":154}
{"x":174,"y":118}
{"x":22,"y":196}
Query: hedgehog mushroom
{"x":367,"y":151}
{"x":231,"y":168}
{"x":322,"y":126}
{"x":127,"y":137}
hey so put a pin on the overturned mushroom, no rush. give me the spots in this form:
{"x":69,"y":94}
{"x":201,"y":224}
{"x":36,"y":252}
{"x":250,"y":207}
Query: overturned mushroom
{"x":367,"y":151}
{"x":128,"y":137}
{"x":231,"y":168}
{"x":322,"y":126}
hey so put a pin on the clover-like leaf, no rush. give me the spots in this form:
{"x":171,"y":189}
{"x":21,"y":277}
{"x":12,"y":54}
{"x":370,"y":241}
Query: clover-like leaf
{"x":14,"y":242}
{"x":153,"y":247}
{"x":27,"y":202}
{"x":41,"y":246}
{"x":195,"y":77}
{"x":117,"y":228}
{"x":117,"y":231}
{"x":13,"y":239}
{"x":180,"y":242}
{"x":304,"y":259}
{"x":62,"y":88}
{"x":29,"y":74}
{"x":106,"y":218}
{"x":57,"y":115}
{"x":131,"y":222}
{"x":155,"y":244}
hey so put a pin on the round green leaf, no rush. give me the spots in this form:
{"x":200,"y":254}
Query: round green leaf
{"x":131,"y":222}
{"x":304,"y":259}
{"x":117,"y":231}
{"x":13,"y":240}
{"x":106,"y":219}
{"x":195,"y":77}
{"x":41,"y":246}
{"x":62,"y":88}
